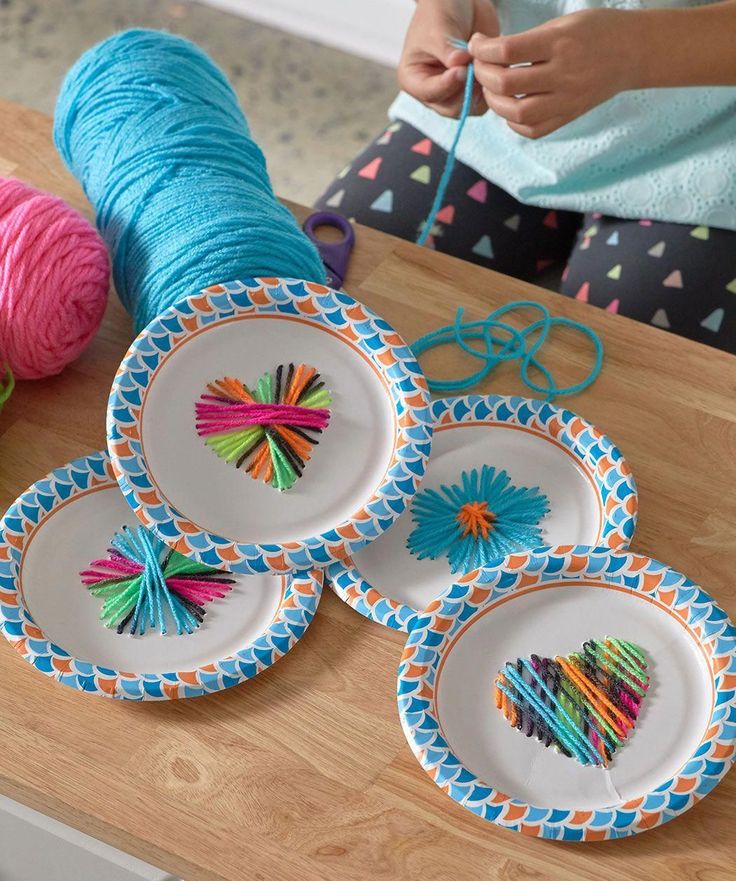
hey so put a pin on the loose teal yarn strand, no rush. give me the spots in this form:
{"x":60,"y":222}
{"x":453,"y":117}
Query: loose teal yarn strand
{"x":502,"y":342}
{"x":439,"y":196}
{"x":522,"y":345}
{"x":153,"y":130}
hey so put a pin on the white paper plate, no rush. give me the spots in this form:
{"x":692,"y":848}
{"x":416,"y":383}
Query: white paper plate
{"x":367,"y":466}
{"x":590,"y":488}
{"x":549,"y":603}
{"x":53,"y":532}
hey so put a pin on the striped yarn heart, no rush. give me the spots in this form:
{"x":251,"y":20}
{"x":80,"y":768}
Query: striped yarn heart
{"x":584,"y":705}
{"x":271,"y":430}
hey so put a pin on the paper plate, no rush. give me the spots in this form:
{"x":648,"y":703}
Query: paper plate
{"x":53,"y":532}
{"x":550,"y":603}
{"x":591,"y":492}
{"x":367,"y":466}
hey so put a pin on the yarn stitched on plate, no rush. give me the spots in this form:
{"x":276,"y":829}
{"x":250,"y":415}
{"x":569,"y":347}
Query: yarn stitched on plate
{"x":273,"y":428}
{"x":585,"y":705}
{"x":144,"y":584}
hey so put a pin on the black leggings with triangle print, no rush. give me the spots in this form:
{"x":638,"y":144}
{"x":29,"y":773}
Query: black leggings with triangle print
{"x":678,"y":277}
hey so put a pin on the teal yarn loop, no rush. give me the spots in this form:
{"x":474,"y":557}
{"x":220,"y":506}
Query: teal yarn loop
{"x":502,"y":342}
{"x":152,"y":129}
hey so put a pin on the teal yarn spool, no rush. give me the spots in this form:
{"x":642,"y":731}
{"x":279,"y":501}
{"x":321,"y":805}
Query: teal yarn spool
{"x":153,"y":131}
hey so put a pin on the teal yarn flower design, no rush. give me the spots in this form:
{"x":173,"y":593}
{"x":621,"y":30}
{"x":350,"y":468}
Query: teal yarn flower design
{"x":475,"y":522}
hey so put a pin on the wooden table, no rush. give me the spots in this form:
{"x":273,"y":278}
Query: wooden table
{"x":304,"y":772}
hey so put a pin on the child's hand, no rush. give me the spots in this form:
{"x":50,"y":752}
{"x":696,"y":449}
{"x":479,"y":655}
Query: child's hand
{"x":577,"y":62}
{"x":430,"y":69}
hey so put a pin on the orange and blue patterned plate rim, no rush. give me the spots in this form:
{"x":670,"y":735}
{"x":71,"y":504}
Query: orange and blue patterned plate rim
{"x":300,"y":597}
{"x":297,"y":300}
{"x":596,"y":455}
{"x":435,"y":629}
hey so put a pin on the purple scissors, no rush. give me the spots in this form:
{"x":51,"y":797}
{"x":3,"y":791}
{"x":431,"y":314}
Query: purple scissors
{"x":335,"y":255}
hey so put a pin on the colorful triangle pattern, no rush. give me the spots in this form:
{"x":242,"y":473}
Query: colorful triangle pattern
{"x":370,"y":171}
{"x":335,"y":199}
{"x":446,"y":215}
{"x":483,"y":247}
{"x":384,"y":203}
{"x":423,"y":147}
{"x":422,"y":175}
{"x":673,"y":280}
{"x":479,"y":191}
{"x":714,"y":320}
{"x":657,"y":250}
{"x":660,"y":319}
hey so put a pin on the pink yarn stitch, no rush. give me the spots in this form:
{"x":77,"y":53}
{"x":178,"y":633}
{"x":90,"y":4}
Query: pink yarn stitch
{"x":54,"y":278}
{"x":224,"y":415}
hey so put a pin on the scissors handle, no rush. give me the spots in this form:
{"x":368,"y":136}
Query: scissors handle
{"x":335,"y":255}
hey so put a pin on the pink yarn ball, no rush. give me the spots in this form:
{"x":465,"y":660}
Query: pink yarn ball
{"x":54,"y":278}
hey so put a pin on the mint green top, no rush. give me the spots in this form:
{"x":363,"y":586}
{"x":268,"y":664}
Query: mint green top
{"x":660,"y":154}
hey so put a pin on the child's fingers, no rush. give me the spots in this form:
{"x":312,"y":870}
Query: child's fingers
{"x":539,"y":130}
{"x":528,"y":46}
{"x":457,"y":58}
{"x":430,"y":87}
{"x":479,"y":105}
{"x":509,"y":81}
{"x":532,"y":110}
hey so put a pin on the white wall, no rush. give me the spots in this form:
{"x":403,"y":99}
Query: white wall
{"x":369,"y":28}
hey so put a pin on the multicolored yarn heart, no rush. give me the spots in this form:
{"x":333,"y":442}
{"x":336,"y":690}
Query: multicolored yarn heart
{"x":482,"y":518}
{"x":584,"y":705}
{"x":271,"y":428}
{"x":143,"y":583}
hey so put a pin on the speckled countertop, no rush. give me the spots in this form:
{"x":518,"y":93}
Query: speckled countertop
{"x":310,"y":108}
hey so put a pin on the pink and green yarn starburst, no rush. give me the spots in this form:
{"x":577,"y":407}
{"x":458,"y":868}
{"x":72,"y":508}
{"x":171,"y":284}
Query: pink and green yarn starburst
{"x":145,"y":584}
{"x":271,"y":430}
{"x":482,"y":518}
{"x":584,"y":705}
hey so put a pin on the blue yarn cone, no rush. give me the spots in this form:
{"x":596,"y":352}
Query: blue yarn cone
{"x":153,"y":131}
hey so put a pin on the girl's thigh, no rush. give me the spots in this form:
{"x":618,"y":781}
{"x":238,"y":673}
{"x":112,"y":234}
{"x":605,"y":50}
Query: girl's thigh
{"x":677,"y":277}
{"x":391,"y":184}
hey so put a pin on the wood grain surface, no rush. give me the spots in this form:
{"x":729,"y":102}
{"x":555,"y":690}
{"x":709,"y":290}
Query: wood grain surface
{"x":304,"y":772}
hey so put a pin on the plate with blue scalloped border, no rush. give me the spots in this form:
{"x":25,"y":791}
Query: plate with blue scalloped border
{"x":212,"y":483}
{"x":544,"y":605}
{"x":552,"y":477}
{"x":55,"y":532}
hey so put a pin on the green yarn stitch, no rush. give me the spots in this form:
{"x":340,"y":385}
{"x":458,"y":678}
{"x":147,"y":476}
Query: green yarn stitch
{"x":6,"y":386}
